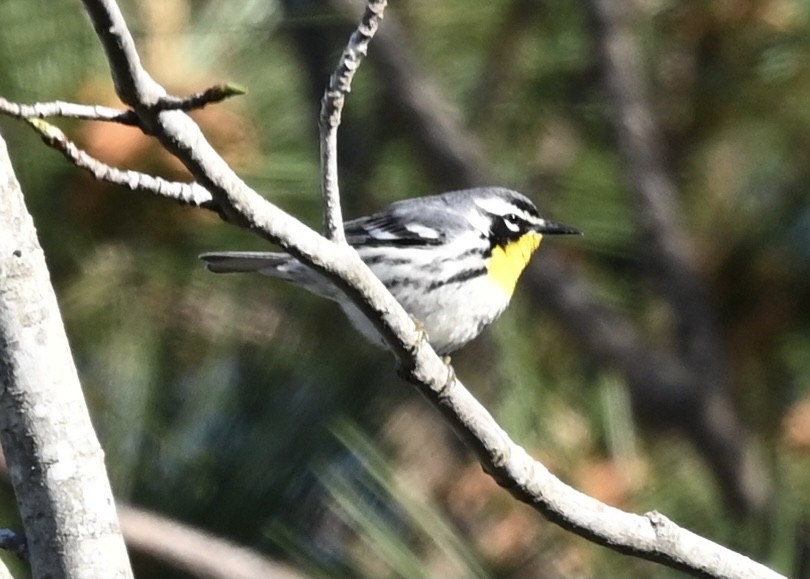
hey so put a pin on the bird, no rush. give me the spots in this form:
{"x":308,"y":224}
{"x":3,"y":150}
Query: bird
{"x":451,"y":260}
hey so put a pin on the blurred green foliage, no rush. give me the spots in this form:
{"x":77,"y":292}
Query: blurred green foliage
{"x":250,"y":409}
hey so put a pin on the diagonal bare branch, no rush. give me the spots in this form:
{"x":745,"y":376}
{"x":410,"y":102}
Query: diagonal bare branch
{"x":134,"y":85}
{"x":194,"y":551}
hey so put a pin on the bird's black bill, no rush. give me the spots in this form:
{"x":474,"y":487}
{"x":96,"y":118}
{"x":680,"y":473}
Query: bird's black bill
{"x":549,"y":228}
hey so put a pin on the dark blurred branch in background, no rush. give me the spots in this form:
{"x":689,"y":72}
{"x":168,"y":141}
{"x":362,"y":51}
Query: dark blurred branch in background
{"x":665,"y":392}
{"x":451,"y":155}
{"x":713,"y":425}
{"x":171,"y":543}
{"x":193,"y":551}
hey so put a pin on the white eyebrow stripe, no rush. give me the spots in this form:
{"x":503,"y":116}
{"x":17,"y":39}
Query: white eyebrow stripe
{"x":495,"y":206}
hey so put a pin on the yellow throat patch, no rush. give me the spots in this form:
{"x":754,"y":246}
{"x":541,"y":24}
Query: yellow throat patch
{"x":507,"y":263}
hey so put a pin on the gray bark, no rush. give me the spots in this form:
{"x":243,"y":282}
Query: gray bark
{"x":54,"y":459}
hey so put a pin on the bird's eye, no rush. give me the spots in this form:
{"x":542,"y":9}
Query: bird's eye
{"x":512,"y":222}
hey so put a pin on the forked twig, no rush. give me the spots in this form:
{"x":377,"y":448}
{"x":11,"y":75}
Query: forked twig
{"x":184,"y":193}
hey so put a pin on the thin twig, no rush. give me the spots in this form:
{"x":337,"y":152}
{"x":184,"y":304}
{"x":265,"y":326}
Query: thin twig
{"x":184,"y":193}
{"x":67,"y":110}
{"x":211,"y":95}
{"x":331,"y":109}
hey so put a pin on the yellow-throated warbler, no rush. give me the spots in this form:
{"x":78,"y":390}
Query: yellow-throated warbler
{"x":451,"y":260}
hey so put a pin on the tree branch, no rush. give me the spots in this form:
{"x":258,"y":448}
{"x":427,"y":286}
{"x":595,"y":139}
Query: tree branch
{"x":209,"y":96}
{"x":194,"y":551}
{"x":134,"y":85}
{"x":68,"y":111}
{"x":664,"y":390}
{"x":172,"y":543}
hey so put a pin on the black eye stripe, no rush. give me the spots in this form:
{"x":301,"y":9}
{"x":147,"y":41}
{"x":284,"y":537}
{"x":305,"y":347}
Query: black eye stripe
{"x":507,"y":228}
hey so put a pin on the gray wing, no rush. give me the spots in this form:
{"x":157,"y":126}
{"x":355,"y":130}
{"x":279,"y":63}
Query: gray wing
{"x":401,"y":226}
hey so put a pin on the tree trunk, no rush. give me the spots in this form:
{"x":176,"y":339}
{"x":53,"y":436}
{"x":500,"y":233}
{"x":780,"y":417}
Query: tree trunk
{"x":54,"y":458}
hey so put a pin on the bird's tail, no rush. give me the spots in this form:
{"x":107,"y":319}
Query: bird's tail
{"x":272,"y":264}
{"x":277,"y":265}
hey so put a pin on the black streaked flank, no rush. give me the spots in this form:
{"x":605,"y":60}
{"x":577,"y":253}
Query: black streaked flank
{"x":461,"y":276}
{"x":387,"y":259}
{"x":401,"y":282}
{"x":484,"y":251}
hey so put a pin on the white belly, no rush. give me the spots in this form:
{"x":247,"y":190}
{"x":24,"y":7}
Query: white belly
{"x":457,"y":312}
